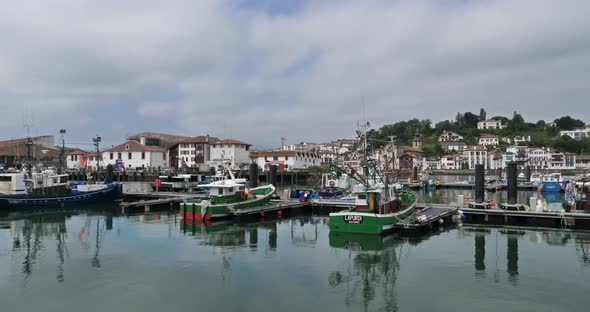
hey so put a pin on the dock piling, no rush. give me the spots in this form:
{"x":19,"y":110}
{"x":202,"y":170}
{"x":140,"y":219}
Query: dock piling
{"x":273,"y":175}
{"x":253,"y":175}
{"x":512,"y":177}
{"x":479,"y":183}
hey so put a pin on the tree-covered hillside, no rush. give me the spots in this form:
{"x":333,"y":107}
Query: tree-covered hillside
{"x":543,"y":134}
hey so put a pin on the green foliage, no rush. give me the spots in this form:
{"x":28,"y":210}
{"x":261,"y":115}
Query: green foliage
{"x":319,"y":169}
{"x":568,"y":123}
{"x":482,"y":114}
{"x":503,"y":119}
{"x":433,"y":149}
{"x":567,"y":144}
{"x":517,"y":123}
{"x":466,"y":125}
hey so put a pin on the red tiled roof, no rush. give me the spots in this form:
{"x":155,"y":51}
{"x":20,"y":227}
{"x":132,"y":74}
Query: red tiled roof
{"x":201,"y":139}
{"x":169,"y":137}
{"x":475,"y":148}
{"x":486,"y":135}
{"x":452,"y":143}
{"x":234,"y":142}
{"x":77,"y":152}
{"x":134,"y":146}
{"x":282,"y":154}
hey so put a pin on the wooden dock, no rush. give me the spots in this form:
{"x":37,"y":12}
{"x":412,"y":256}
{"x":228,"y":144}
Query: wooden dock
{"x":146,"y":200}
{"x":579,"y":220}
{"x":427,"y":217}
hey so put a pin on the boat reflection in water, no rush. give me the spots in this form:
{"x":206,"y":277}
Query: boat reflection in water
{"x":372,"y":272}
{"x":32,"y":236}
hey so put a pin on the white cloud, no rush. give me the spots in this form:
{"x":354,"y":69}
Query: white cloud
{"x":214,"y":67}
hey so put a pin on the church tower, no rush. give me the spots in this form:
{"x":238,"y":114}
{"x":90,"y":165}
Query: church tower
{"x":417,"y":143}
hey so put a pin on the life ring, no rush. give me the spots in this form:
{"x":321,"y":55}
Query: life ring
{"x":332,"y":183}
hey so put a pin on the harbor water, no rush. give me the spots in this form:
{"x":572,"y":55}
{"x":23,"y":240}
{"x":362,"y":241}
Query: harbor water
{"x":102,"y":261}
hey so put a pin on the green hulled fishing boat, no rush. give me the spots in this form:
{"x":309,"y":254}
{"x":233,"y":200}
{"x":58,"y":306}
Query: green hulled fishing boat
{"x":225,"y":198}
{"x":376,"y":211}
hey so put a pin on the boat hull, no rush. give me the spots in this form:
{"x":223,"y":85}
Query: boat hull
{"x":549,"y":186}
{"x":110,"y":193}
{"x":194,"y":210}
{"x":366,"y":222}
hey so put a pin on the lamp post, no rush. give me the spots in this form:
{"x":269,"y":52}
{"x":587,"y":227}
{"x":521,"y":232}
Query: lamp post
{"x":62,"y":158}
{"x":96,"y":141}
{"x":29,"y":144}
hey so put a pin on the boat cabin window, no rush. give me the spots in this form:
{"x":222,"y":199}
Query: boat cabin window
{"x":54,"y":180}
{"x":362,"y":196}
{"x":63,"y":179}
{"x":231,"y":189}
{"x":5,"y":179}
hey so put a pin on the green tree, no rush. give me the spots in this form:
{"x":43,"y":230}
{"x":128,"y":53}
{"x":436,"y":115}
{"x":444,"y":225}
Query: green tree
{"x":482,"y":114}
{"x":568,"y":123}
{"x":433,"y":149}
{"x":517,"y":123}
{"x":470,"y":120}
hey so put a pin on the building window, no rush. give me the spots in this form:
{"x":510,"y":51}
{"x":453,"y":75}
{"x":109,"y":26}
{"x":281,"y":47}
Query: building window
{"x":120,"y":157}
{"x":111,"y":155}
{"x":286,"y":157}
{"x":275,"y":158}
{"x":142,"y":155}
{"x":127,"y":146}
{"x":164,"y":156}
{"x":72,"y":157}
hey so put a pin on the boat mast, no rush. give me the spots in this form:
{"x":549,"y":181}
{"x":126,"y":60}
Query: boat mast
{"x":62,"y":156}
{"x":96,"y":141}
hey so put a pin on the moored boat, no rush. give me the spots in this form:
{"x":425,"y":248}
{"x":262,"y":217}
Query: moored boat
{"x":550,"y":183}
{"x":105,"y":193}
{"x":376,"y":211}
{"x":225,"y":197}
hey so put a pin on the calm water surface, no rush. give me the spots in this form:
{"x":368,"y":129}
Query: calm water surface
{"x":151,"y":262}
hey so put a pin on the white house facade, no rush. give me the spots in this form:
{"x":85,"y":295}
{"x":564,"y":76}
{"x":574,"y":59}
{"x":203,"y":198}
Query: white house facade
{"x":475,"y":155}
{"x":496,"y":160}
{"x":489,"y":139}
{"x":450,"y":162}
{"x":448,"y":136}
{"x":453,"y":146}
{"x":194,"y":152}
{"x":285,"y":160}
{"x":81,"y":160}
{"x":577,"y":134}
{"x":235,"y":152}
{"x":489,"y":124}
{"x":132,"y":154}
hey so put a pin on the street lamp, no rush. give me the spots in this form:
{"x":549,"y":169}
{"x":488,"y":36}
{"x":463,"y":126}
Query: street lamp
{"x":62,"y":159}
{"x":96,"y":141}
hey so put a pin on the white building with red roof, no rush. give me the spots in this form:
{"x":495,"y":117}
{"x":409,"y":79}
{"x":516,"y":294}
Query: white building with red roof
{"x":489,"y":139}
{"x":234,"y":152}
{"x":475,"y":155}
{"x":489,"y":124}
{"x":286,"y":160}
{"x":133,"y":154}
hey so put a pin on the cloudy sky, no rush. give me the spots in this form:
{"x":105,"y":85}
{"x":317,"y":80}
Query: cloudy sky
{"x":259,"y":70}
